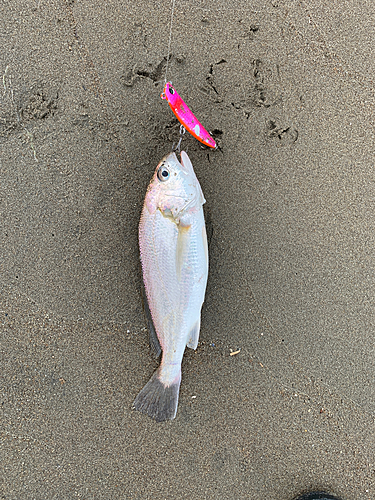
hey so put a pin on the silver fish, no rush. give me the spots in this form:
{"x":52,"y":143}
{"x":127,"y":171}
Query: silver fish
{"x":174,"y":257}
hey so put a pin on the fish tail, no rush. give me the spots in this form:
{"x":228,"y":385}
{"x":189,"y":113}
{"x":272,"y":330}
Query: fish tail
{"x":158,"y":400}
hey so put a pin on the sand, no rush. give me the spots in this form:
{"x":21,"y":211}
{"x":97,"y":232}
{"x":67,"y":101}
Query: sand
{"x":287,"y":90}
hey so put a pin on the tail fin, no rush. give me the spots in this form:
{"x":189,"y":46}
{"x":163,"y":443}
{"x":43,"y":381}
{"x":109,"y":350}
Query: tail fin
{"x":157,"y":400}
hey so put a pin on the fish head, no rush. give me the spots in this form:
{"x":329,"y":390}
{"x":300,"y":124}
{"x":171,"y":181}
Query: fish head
{"x":174,"y":188}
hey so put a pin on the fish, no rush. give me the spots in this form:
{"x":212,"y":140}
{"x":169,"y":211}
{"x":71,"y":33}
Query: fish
{"x":174,"y":258}
{"x":186,"y":117}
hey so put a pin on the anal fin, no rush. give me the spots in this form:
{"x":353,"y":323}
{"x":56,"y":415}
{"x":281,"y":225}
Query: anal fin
{"x":193,"y":336}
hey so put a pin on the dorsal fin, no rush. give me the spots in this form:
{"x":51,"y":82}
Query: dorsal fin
{"x":154,"y":341}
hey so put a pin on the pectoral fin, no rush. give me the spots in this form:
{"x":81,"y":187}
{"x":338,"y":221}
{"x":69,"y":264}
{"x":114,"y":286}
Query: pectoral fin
{"x":182,"y":248}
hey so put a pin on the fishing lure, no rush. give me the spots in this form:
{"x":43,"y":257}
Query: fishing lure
{"x":185,"y":116}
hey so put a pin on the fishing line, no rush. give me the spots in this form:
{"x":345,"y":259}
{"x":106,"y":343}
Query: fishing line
{"x":170,"y":40}
{"x":180,"y":108}
{"x":182,"y":128}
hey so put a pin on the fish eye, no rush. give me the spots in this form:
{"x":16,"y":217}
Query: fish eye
{"x":163,"y":173}
{"x":171,"y":90}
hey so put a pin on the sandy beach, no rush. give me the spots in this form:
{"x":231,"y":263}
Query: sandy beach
{"x":287,"y":90}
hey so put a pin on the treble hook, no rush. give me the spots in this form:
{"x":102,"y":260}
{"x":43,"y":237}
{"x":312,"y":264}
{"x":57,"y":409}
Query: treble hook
{"x":182,"y":133}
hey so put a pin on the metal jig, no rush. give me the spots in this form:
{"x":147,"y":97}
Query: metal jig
{"x":186,"y":117}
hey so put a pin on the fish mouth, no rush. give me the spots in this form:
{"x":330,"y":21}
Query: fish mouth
{"x":186,"y":168}
{"x":169,"y":156}
{"x":184,"y":164}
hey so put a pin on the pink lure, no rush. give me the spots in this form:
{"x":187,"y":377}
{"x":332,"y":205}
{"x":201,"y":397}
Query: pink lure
{"x":186,"y":117}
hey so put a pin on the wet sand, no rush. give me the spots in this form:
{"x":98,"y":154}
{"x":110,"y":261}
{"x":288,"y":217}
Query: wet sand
{"x":287,"y":90}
